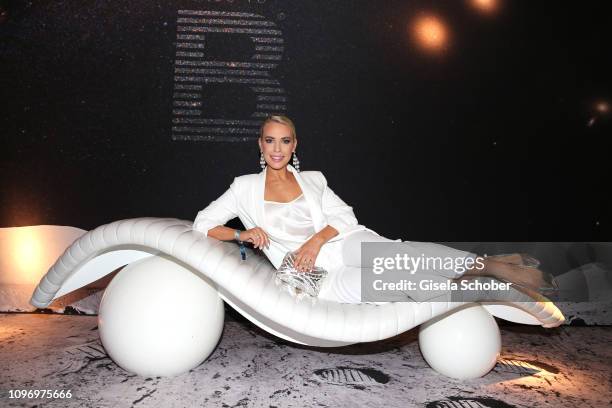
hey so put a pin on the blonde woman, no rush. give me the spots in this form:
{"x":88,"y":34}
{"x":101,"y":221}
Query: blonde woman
{"x":284,"y":210}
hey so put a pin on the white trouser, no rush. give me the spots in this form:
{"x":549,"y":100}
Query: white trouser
{"x":347,"y":285}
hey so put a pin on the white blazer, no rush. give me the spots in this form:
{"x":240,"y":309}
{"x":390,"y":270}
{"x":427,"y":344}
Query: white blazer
{"x":245,"y":199}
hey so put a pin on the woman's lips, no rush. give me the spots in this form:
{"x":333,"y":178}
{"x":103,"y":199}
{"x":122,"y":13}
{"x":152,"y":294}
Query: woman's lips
{"x":277,"y":158}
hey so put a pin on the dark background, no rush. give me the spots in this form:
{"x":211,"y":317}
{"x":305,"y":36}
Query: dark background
{"x":488,"y":140}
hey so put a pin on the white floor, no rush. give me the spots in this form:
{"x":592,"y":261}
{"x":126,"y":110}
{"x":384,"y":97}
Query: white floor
{"x":564,"y":367}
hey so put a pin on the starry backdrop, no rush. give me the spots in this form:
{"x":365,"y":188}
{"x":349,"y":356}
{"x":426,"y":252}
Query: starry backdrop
{"x":436,"y":120}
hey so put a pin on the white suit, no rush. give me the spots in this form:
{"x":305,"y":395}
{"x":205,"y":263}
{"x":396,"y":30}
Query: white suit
{"x":245,"y":200}
{"x":340,"y":256}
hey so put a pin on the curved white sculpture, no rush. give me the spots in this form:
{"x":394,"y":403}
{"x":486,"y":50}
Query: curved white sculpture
{"x":248,"y":286}
{"x":463,"y":344}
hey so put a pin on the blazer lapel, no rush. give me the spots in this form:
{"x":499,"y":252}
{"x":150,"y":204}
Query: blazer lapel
{"x":258,"y":197}
{"x":315,"y":213}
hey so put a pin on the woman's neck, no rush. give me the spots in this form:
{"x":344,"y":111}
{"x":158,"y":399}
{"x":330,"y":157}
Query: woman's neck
{"x":278,"y":175}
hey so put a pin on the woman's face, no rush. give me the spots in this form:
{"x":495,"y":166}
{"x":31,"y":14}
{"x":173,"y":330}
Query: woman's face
{"x":277,"y":143}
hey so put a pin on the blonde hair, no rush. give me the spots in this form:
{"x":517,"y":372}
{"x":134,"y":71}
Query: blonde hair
{"x":278,"y":119}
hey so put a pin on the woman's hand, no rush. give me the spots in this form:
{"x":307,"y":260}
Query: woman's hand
{"x":257,"y":236}
{"x":307,"y":254}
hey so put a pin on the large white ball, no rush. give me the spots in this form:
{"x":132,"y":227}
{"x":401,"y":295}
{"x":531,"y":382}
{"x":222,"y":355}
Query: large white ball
{"x":157,"y":318}
{"x":461,"y":344}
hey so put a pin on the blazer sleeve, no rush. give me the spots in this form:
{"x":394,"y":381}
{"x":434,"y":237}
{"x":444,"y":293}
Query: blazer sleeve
{"x":218,"y":211}
{"x":339,"y":214}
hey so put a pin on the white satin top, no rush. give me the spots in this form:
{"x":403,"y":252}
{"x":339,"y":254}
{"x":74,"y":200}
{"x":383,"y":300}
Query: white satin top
{"x":289,"y":224}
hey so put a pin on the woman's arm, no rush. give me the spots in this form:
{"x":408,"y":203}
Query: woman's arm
{"x":256,"y":236}
{"x":222,"y":233}
{"x":212,"y":218}
{"x":309,"y":251}
{"x":339,"y":215}
{"x":325,"y":234}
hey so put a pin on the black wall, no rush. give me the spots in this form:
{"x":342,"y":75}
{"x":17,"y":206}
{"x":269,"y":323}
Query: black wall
{"x":496,"y":139}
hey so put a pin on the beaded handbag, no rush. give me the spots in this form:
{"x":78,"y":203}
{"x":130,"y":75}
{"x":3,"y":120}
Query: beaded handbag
{"x":298,"y":283}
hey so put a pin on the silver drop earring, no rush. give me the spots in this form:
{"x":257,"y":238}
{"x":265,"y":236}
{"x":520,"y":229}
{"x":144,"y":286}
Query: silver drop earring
{"x":262,"y":161}
{"x":296,"y":162}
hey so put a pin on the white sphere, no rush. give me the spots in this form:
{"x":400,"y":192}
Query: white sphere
{"x":461,"y":344}
{"x":157,"y":318}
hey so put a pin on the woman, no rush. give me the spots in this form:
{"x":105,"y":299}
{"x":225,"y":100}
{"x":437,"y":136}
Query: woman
{"x":285,"y":210}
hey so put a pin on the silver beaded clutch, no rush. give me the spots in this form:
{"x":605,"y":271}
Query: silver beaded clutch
{"x":296,"y":282}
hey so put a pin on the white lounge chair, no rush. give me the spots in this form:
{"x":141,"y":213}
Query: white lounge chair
{"x":248,"y":286}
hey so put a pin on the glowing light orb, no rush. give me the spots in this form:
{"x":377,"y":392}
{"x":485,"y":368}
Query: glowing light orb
{"x":430,"y":33}
{"x":602,"y":107}
{"x":486,"y":6}
{"x":29,"y":255}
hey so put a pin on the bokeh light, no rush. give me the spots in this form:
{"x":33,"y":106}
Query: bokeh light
{"x":602,"y":107}
{"x":29,"y":255}
{"x":430,"y":33}
{"x":485,"y":6}
{"x":599,"y":111}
